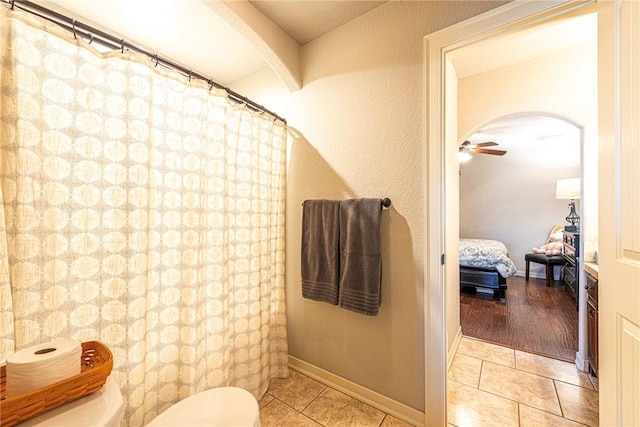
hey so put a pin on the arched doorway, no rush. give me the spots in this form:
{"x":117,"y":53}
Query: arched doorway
{"x":511,"y":198}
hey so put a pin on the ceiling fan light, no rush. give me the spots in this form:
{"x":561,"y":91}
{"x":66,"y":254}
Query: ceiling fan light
{"x":463,"y":156}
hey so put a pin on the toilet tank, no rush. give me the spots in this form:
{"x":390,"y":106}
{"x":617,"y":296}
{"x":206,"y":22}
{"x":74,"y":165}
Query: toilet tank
{"x":104,"y":408}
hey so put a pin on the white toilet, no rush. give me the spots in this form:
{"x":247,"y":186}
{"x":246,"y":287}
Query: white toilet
{"x":104,"y":408}
{"x":223,"y":406}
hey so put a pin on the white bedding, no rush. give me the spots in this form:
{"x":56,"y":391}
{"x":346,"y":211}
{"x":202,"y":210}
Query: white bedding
{"x":486,"y":254}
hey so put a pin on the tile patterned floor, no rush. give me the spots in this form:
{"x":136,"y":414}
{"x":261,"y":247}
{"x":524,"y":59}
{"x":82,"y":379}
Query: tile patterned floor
{"x":490,"y":385}
{"x":302,"y":401}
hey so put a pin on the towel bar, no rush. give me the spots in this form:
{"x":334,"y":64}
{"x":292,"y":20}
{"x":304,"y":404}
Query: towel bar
{"x":386,"y":202}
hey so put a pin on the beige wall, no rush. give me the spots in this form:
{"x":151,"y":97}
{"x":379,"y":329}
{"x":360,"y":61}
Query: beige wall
{"x":513,"y":198}
{"x":359,"y":133}
{"x":563,"y":84}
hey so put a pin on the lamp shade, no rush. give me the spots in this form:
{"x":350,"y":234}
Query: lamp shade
{"x":568,"y":188}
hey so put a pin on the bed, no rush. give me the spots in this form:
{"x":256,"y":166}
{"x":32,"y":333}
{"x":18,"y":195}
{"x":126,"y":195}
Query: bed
{"x":485,"y":264}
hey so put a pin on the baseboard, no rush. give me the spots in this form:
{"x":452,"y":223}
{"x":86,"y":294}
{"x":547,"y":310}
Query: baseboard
{"x":454,"y":347}
{"x":581,"y":364}
{"x":370,"y":397}
{"x":539,"y":275}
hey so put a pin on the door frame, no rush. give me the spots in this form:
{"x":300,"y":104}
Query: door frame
{"x":509,"y":18}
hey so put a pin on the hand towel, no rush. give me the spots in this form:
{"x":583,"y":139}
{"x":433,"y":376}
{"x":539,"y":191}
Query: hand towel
{"x":360,"y":262}
{"x":320,"y":255}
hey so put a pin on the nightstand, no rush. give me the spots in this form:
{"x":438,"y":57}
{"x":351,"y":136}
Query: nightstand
{"x":571,"y":254}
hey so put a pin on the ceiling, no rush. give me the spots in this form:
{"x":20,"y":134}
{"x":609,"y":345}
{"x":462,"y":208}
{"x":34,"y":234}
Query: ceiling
{"x":306,"y":21}
{"x":520,"y":132}
{"x":529,"y":138}
{"x":193,"y":33}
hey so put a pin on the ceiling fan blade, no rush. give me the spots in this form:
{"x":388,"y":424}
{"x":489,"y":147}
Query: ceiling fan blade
{"x":489,"y":151}
{"x":486,"y":144}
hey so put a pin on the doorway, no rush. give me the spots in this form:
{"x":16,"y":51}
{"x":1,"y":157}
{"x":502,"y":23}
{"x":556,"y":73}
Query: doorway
{"x":508,"y":200}
{"x":442,"y":218}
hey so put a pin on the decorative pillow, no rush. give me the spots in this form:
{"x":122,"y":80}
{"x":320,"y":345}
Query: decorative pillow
{"x":555,"y":237}
{"x":550,"y":249}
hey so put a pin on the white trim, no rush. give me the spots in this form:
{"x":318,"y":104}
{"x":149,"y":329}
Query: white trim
{"x":541,"y":274}
{"x":454,"y":347}
{"x":511,"y":17}
{"x":370,"y":397}
{"x":581,"y":363}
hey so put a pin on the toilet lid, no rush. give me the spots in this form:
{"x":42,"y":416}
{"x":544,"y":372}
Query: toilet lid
{"x":223,"y":406}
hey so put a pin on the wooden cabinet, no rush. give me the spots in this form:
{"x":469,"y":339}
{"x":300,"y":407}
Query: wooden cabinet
{"x":592,"y":323}
{"x":571,"y":253}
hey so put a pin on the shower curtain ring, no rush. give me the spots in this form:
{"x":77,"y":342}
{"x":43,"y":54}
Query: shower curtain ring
{"x":155,"y":59}
{"x":13,"y":2}
{"x":122,"y":46}
{"x":90,"y":38}
{"x":73,"y":27}
{"x":189,"y":75}
{"x":210,"y":84}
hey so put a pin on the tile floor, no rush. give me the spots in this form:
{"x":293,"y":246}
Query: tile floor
{"x":302,"y":401}
{"x":490,"y":385}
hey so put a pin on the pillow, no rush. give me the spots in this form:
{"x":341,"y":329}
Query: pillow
{"x":550,"y":249}
{"x":555,"y":237}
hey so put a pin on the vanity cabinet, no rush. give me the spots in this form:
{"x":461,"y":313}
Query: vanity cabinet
{"x":592,"y":323}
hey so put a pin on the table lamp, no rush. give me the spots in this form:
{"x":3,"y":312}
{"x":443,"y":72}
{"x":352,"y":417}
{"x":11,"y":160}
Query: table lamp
{"x":569,"y":189}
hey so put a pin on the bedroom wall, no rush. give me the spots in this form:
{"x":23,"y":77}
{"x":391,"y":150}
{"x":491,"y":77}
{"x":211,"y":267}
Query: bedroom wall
{"x":512,"y":201}
{"x":357,"y":131}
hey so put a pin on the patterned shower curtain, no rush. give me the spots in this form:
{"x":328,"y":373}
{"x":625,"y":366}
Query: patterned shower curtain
{"x":141,"y":210}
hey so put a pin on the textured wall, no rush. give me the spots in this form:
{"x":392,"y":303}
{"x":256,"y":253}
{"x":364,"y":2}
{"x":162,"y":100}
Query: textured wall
{"x":359,"y":120}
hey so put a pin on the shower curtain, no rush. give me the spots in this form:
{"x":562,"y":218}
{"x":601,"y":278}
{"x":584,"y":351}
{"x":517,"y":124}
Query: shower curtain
{"x":141,"y":210}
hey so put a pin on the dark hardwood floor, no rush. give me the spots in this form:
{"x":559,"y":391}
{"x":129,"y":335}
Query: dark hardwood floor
{"x":532,"y":318}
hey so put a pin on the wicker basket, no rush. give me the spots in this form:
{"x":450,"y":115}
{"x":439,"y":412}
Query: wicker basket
{"x":96,"y":363}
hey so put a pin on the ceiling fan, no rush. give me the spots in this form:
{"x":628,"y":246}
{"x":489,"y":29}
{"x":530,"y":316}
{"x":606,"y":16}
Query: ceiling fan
{"x":466,"y":148}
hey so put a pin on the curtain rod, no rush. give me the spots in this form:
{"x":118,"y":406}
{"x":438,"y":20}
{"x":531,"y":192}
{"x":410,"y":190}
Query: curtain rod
{"x":93,"y":34}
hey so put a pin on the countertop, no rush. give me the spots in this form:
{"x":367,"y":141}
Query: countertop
{"x":591,"y":268}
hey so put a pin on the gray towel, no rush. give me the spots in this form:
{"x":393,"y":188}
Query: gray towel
{"x":360,"y":255}
{"x":320,"y":261}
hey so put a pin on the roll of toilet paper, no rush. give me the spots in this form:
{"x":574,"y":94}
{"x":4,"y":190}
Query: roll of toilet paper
{"x":42,"y":365}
